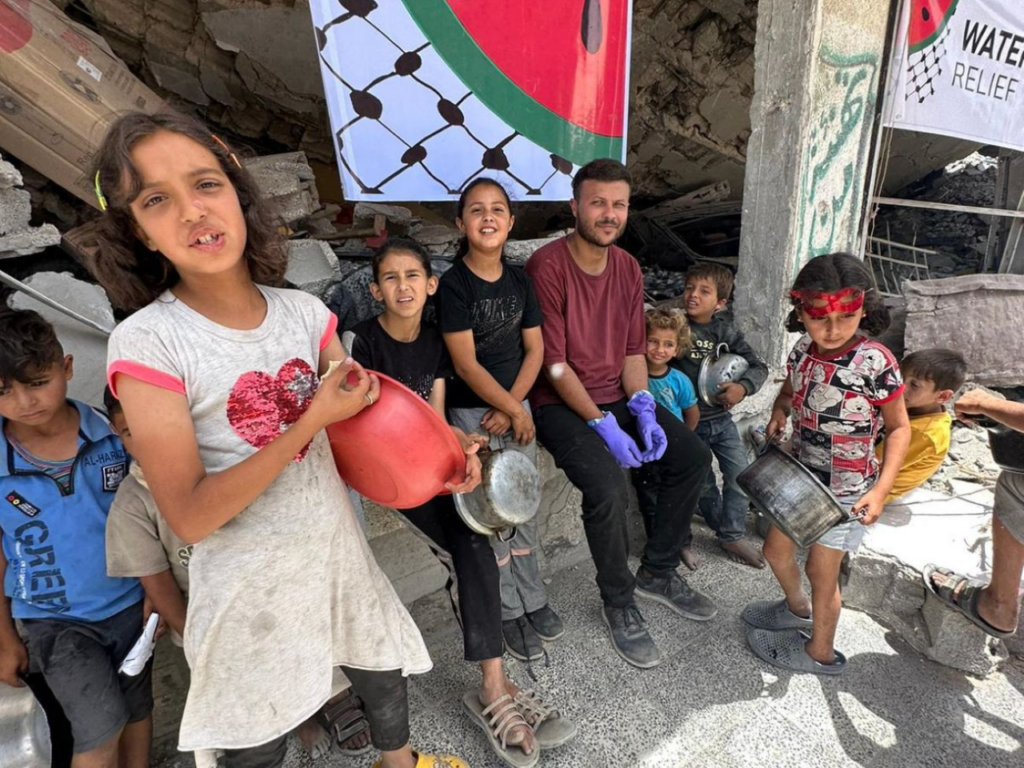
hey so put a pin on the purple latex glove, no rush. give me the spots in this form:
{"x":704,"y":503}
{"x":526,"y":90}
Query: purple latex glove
{"x":641,"y":405}
{"x":620,"y":445}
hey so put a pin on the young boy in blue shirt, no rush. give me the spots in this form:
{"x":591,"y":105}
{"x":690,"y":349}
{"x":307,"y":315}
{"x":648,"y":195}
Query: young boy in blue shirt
{"x":668,"y":337}
{"x":707,"y":291}
{"x":60,"y":465}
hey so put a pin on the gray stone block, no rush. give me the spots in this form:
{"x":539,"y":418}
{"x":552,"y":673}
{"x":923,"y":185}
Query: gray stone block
{"x":15,"y":210}
{"x":312,"y":266}
{"x":975,"y":314}
{"x":29,"y":241}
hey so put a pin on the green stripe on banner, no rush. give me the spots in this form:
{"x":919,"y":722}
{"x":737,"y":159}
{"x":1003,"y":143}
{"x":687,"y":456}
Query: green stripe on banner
{"x":503,"y":97}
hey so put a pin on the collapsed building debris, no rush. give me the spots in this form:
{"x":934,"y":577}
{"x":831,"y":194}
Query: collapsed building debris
{"x":287,"y":182}
{"x":17,"y":236}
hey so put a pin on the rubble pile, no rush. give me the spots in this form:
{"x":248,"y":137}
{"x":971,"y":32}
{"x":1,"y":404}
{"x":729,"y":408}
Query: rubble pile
{"x":956,"y":241}
{"x":17,"y":236}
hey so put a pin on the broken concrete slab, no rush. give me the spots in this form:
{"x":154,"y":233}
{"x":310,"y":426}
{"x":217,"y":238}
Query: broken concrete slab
{"x":521,"y":250}
{"x":15,"y":210}
{"x":312,"y":266}
{"x":88,"y":346}
{"x":287,"y":181}
{"x":9,"y":176}
{"x":29,"y":241}
{"x":396,"y":214}
{"x":979,"y":315}
{"x":886,"y":576}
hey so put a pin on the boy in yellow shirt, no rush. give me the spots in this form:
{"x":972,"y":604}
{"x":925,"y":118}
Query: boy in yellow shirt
{"x":931,"y":377}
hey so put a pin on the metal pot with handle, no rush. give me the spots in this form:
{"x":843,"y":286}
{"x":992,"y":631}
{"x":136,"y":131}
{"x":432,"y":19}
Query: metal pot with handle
{"x":1006,"y":444}
{"x":720,"y":367}
{"x":24,"y":732}
{"x":789,"y":495}
{"x":508,"y":495}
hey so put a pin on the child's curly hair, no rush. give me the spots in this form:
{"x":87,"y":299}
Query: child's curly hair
{"x":671,"y":320}
{"x":133,"y":275}
{"x":833,"y":272}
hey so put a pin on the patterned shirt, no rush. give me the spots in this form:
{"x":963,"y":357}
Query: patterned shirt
{"x":836,"y":411}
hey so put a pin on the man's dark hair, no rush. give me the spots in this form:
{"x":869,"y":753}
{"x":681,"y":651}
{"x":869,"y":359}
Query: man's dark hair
{"x":720,"y":276}
{"x":602,"y":169}
{"x":28,"y":345}
{"x":944,"y":368}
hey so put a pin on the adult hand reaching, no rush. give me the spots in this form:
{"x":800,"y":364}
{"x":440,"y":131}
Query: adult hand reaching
{"x":642,"y":405}
{"x":620,"y":445}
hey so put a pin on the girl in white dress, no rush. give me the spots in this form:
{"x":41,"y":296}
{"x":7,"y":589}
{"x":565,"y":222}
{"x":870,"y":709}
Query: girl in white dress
{"x":218,"y":371}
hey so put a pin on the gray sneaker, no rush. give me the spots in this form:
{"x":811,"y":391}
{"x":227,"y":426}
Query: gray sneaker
{"x":674,"y":592}
{"x":630,"y":637}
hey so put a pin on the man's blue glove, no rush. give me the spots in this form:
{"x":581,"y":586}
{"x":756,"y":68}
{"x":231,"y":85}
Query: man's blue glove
{"x":620,"y":445}
{"x":642,"y":405}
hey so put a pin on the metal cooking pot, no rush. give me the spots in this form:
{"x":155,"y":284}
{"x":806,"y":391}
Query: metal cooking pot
{"x":789,"y":495}
{"x":508,"y":495}
{"x":1006,"y":444}
{"x":720,"y":367}
{"x":24,"y":732}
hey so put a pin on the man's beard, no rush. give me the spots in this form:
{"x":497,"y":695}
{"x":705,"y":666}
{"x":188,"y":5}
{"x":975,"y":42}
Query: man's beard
{"x":590,"y":234}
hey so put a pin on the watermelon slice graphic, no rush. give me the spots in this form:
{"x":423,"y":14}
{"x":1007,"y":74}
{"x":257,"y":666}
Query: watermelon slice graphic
{"x":555,"y":71}
{"x":928,"y":20}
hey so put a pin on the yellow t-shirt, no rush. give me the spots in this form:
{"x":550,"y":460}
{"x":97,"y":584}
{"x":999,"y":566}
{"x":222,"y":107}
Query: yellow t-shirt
{"x":929,"y":443}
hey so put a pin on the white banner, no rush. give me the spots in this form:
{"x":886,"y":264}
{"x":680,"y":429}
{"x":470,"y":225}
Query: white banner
{"x":958,"y":70}
{"x":426,"y":95}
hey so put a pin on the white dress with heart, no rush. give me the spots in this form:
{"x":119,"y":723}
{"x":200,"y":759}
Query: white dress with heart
{"x":289,"y":588}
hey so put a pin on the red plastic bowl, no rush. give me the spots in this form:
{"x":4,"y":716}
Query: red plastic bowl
{"x":398,"y":452}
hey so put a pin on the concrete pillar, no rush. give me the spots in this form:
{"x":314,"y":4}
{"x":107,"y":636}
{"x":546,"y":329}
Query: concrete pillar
{"x":817,"y":68}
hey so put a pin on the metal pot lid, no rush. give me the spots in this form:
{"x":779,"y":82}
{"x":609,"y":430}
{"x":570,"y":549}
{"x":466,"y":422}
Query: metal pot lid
{"x":719,"y":367}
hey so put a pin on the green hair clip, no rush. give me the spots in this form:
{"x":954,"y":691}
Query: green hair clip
{"x":99,"y":193}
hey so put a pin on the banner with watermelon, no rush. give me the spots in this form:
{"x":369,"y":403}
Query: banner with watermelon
{"x":958,"y":70}
{"x":426,"y":95}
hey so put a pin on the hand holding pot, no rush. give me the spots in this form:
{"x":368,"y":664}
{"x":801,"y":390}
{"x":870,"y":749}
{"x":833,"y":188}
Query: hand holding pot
{"x":620,"y":445}
{"x":730,"y":393}
{"x":474,"y":470}
{"x":642,"y":405}
{"x":869,"y":507}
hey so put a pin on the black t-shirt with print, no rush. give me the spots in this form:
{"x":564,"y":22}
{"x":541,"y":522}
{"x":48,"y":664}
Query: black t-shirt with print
{"x":416,"y":364}
{"x":496,"y":313}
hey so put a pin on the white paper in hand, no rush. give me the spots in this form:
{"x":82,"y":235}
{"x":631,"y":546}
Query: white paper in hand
{"x":141,"y":652}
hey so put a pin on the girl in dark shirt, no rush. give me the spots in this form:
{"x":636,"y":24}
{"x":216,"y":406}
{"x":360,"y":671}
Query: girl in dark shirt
{"x":398,"y":344}
{"x":491,"y":322}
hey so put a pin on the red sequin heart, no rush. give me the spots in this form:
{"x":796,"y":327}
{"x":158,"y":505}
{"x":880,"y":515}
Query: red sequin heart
{"x":262,"y":406}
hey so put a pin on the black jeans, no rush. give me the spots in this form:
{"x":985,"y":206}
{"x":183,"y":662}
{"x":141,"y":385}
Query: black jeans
{"x":386,"y":703}
{"x":473,"y":579}
{"x":667,"y":491}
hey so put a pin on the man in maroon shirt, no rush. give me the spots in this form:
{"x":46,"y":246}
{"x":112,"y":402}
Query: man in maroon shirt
{"x":594,"y":414}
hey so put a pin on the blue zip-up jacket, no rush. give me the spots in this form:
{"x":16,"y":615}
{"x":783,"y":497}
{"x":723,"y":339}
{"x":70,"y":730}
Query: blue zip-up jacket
{"x":55,"y":542}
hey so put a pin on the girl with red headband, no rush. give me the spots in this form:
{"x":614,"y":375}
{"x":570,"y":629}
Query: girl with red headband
{"x":841,"y":386}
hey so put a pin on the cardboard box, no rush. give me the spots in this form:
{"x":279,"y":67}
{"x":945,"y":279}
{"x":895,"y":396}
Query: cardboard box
{"x":60,"y":89}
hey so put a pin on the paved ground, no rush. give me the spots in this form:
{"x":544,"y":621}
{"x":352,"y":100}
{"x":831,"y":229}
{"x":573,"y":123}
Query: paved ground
{"x":713,"y":704}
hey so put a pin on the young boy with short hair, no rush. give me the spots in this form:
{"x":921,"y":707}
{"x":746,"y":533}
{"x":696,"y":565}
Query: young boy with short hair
{"x":668,"y":338}
{"x":931,"y":377}
{"x":60,"y":465}
{"x":707,"y":292}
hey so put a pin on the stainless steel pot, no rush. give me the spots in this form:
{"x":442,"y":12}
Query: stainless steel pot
{"x":789,"y":494}
{"x":720,"y":367}
{"x":508,"y":495}
{"x":24,"y":732}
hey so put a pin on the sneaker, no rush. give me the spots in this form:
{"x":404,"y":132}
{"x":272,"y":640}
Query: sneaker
{"x":521,"y":641}
{"x":674,"y":592}
{"x":630,"y":637}
{"x":546,"y":623}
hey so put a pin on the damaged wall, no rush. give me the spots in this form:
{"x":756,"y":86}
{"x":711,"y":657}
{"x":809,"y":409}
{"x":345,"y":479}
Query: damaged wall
{"x":249,"y":67}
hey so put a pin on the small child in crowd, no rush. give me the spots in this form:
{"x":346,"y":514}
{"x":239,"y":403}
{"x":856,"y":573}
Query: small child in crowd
{"x":931,"y":376}
{"x":840,"y":387}
{"x":491,"y":323}
{"x":398,"y":344}
{"x":707,"y":292}
{"x":668,"y":338}
{"x":61,"y":465}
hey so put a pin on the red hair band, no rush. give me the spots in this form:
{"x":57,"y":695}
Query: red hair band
{"x":817,"y":304}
